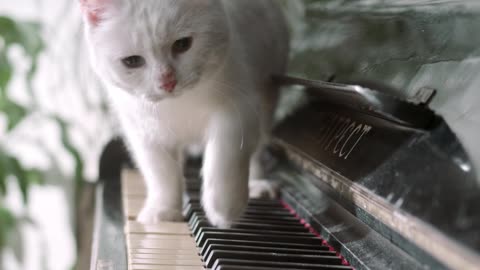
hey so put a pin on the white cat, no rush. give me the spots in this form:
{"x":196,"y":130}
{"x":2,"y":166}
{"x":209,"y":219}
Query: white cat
{"x":182,"y":72}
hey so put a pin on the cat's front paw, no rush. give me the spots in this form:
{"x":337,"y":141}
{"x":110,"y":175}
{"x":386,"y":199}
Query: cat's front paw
{"x":154,"y":215}
{"x":224,"y":209}
{"x":261,"y":188}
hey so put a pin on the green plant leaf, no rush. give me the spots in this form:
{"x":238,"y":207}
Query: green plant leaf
{"x":25,"y":34}
{"x":14,"y":112}
{"x":3,"y":179}
{"x":10,"y":166}
{"x":6,"y":71}
{"x":8,"y":30}
{"x":68,"y":145}
{"x":7,"y":223}
{"x":21,"y":177}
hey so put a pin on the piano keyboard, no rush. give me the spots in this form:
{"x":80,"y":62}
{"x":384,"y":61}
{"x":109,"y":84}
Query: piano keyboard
{"x":268,"y":236}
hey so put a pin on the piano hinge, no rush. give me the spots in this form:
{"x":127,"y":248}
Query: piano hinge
{"x":424,"y":96}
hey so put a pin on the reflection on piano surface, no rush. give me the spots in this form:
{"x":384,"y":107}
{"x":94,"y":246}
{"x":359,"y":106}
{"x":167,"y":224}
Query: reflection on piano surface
{"x":383,"y":181}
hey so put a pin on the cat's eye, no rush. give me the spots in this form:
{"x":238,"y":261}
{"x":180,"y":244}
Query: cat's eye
{"x":134,"y":61}
{"x":182,"y":45}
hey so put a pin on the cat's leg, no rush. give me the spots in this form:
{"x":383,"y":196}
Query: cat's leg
{"x":225,"y":173}
{"x":162,"y":171}
{"x":258,"y":186}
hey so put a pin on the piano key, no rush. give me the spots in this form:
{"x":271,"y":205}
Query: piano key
{"x":277,"y":265}
{"x":255,"y":219}
{"x":154,"y":251}
{"x":162,"y":228}
{"x":258,"y":243}
{"x":255,"y":236}
{"x":244,"y":231}
{"x":267,"y":233}
{"x":235,"y":267}
{"x":270,"y":204}
{"x":159,"y":236}
{"x":251,"y":211}
{"x":195,"y":199}
{"x":277,"y":209}
{"x":164,"y":256}
{"x":165,"y":244}
{"x":196,"y":226}
{"x":171,"y":261}
{"x":161,"y":244}
{"x":284,"y":221}
{"x":271,"y":257}
{"x":163,"y":267}
{"x":266,"y":249}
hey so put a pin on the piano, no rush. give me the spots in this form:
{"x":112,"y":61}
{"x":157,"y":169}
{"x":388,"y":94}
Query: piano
{"x":368,"y":181}
{"x":372,"y":175}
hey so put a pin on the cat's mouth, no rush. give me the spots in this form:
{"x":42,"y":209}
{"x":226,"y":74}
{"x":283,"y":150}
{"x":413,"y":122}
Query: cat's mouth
{"x":157,"y":97}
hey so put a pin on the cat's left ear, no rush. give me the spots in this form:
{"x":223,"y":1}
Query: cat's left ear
{"x":94,"y":9}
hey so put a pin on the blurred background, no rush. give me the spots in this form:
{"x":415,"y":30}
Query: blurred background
{"x":54,"y":118}
{"x":53,"y":125}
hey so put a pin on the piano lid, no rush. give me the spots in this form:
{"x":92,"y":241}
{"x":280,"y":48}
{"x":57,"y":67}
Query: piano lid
{"x":362,"y":142}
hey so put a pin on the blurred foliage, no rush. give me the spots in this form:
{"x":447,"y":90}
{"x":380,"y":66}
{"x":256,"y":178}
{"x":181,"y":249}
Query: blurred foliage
{"x":26,"y":36}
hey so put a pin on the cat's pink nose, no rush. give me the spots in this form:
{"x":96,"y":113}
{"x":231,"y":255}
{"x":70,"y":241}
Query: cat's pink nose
{"x":168,"y":82}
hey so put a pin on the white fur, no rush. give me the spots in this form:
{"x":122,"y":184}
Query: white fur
{"x":223,"y":101}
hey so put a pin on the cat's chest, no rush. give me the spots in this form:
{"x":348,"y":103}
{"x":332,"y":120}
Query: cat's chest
{"x":177,"y":121}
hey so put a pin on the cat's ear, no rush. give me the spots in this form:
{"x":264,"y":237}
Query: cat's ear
{"x":94,"y":9}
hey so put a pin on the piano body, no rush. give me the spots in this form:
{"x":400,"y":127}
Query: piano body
{"x":371,"y":177}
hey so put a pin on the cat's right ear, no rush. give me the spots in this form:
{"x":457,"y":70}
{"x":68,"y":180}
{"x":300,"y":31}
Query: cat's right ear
{"x":94,"y":9}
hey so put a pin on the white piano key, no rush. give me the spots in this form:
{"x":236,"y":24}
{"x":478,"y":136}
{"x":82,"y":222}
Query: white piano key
{"x":171,"y":261}
{"x":132,"y":207}
{"x":165,"y":256}
{"x":149,"y":243}
{"x":162,"y":228}
{"x":132,"y":183}
{"x":164,"y":246}
{"x":163,"y":267}
{"x":142,"y":236}
{"x":154,"y":251}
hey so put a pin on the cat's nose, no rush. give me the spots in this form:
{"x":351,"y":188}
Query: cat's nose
{"x":168,"y":81}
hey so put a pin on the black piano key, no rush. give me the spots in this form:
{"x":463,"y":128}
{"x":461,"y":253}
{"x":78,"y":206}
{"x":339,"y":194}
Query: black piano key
{"x":233,"y":267}
{"x":259,"y":243}
{"x":284,"y":220}
{"x":271,"y":257}
{"x":244,"y":231}
{"x":275,"y":265}
{"x":266,"y":237}
{"x":271,"y":218}
{"x":265,"y":230}
{"x":270,"y":222}
{"x":312,"y":240}
{"x":251,"y":204}
{"x":196,"y":201}
{"x":299,"y":228}
{"x":195,"y":218}
{"x":267,"y":249}
{"x":275,"y":212}
{"x":258,"y":226}
{"x":267,"y":215}
{"x":189,"y":210}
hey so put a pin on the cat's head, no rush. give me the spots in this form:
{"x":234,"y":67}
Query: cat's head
{"x":155,"y":49}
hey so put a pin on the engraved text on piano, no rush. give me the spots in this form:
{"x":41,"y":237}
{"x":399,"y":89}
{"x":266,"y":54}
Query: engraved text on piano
{"x":342,"y":135}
